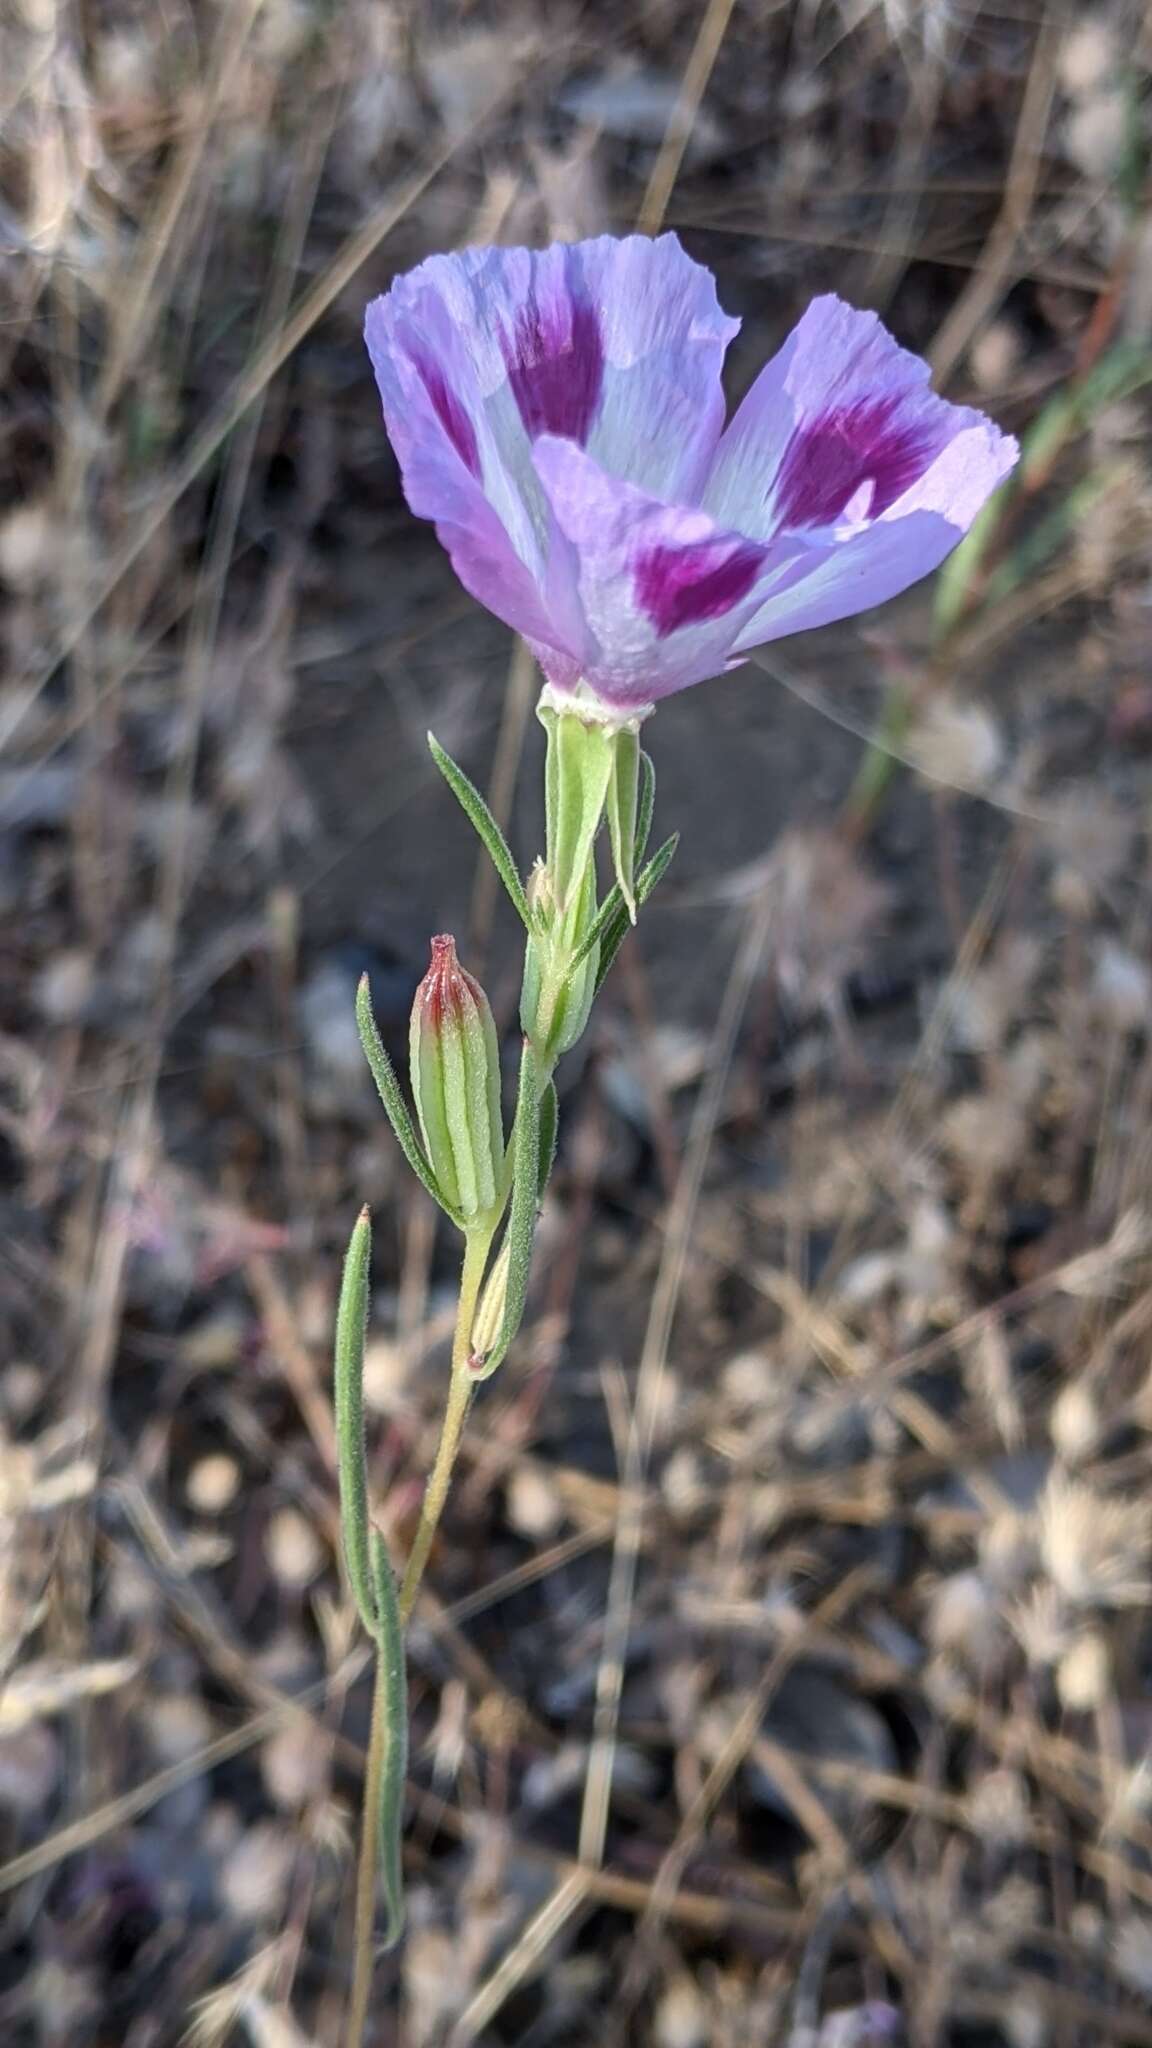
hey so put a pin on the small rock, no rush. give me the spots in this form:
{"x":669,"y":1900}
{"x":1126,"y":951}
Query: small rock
{"x":812,"y":1716}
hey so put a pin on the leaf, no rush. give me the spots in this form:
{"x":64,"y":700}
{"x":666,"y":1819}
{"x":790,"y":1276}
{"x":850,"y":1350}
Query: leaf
{"x":392,"y":1686}
{"x":388,"y":1087}
{"x":523,"y":1212}
{"x":351,"y":1325}
{"x":484,"y":824}
{"x":654,"y":872}
{"x":610,"y":912}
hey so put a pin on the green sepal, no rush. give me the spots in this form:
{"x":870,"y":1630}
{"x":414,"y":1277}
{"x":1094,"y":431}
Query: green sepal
{"x":645,"y":883}
{"x":613,"y":903}
{"x":484,"y":824}
{"x":577,"y":771}
{"x":622,"y":809}
{"x":522,"y":1214}
{"x":388,"y":1088}
{"x":392,"y":1686}
{"x":348,"y":1379}
{"x":645,"y":807}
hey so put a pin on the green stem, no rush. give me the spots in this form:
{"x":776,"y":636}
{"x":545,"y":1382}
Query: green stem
{"x":477,"y":1244}
{"x":364,"y":1943}
{"x":476,"y":1248}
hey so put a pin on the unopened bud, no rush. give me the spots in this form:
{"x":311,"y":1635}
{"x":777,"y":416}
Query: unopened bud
{"x":455,"y":1070}
{"x":555,"y":997}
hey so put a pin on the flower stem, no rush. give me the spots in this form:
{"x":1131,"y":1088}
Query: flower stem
{"x":363,"y":1942}
{"x":477,"y":1244}
{"x":476,"y":1248}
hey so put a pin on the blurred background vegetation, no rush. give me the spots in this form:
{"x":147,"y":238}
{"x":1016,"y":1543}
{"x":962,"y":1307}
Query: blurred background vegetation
{"x":784,"y":1672}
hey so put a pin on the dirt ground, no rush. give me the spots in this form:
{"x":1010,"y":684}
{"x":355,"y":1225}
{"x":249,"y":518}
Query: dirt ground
{"x":783,"y":1671}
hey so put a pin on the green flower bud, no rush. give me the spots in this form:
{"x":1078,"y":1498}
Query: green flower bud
{"x":555,"y":998}
{"x":455,"y":1071}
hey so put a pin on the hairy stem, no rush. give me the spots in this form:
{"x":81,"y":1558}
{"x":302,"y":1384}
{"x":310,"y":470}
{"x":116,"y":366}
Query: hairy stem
{"x":363,"y":1942}
{"x":476,"y":1248}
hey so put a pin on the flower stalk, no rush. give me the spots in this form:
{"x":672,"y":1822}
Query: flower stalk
{"x":559,"y":415}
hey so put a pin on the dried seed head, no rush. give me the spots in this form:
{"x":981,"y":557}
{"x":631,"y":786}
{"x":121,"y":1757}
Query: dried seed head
{"x":1083,"y":1675}
{"x":1094,"y":1549}
{"x":1074,"y":1423}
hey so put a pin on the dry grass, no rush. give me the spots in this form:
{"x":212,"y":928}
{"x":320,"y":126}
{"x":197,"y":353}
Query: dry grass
{"x":784,"y":1673}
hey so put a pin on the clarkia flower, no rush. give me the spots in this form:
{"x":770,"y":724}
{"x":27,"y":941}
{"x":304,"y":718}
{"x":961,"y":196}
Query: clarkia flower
{"x":559,"y":414}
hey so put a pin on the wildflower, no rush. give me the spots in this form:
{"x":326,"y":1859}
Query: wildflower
{"x":455,"y":1073}
{"x":559,"y":414}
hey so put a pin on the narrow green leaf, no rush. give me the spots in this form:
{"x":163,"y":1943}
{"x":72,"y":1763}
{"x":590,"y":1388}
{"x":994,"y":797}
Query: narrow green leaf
{"x":645,"y":883}
{"x":390,"y":1094}
{"x":608,"y":915}
{"x":351,"y":1325}
{"x":523,"y":1211}
{"x":484,"y":824}
{"x":392,"y":1683}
